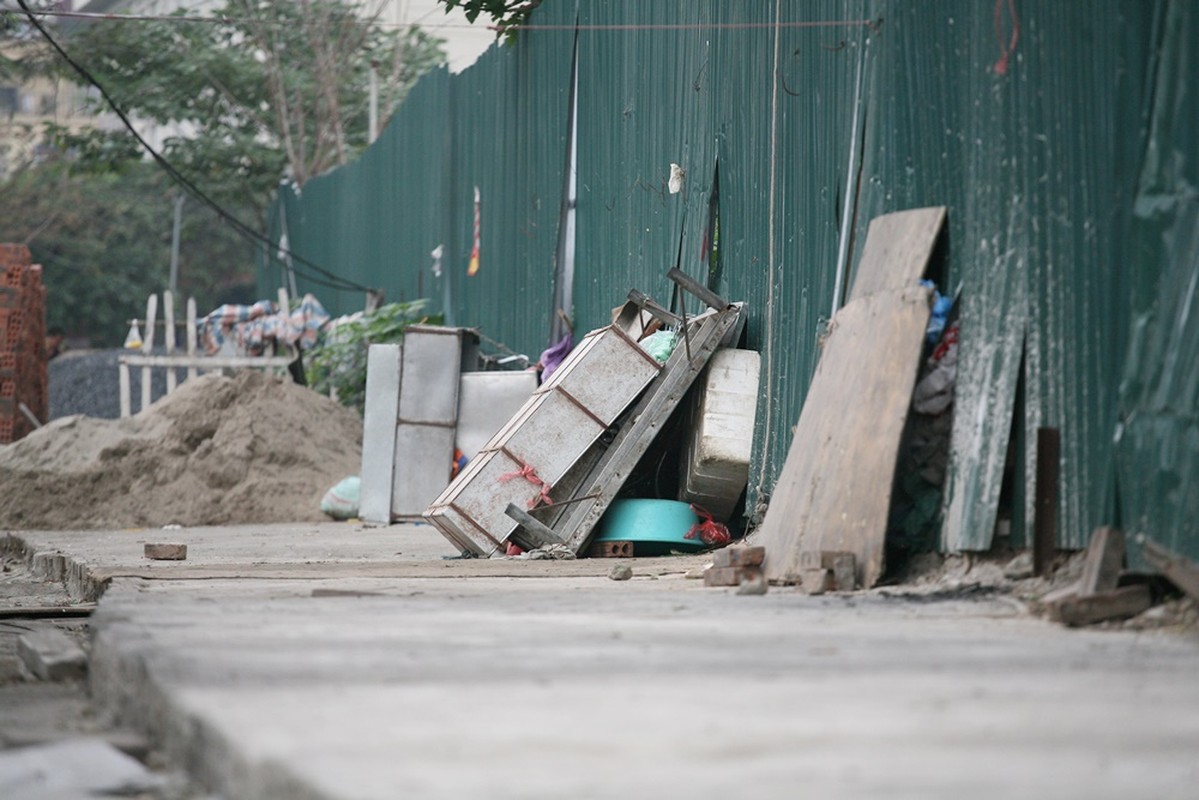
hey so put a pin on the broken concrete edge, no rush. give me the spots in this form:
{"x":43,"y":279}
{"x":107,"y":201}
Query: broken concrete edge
{"x":125,"y":690}
{"x":80,"y":580}
{"x":51,"y":655}
{"x":86,"y":582}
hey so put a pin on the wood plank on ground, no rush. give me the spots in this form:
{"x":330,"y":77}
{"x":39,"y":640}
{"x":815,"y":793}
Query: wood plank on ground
{"x":1104,"y":560}
{"x":835,"y":489}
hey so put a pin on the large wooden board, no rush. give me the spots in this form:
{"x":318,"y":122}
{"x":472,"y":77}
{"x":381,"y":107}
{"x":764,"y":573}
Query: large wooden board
{"x":897,"y":250}
{"x":835,"y":489}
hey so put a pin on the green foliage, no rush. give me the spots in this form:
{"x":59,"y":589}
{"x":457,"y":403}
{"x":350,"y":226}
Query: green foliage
{"x":507,"y":14}
{"x":104,"y":238}
{"x":274,"y":90}
{"x":338,"y":362}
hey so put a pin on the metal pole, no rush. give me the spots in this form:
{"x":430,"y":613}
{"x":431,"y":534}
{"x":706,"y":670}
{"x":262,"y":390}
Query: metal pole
{"x":173,"y":285}
{"x":373,"y":115}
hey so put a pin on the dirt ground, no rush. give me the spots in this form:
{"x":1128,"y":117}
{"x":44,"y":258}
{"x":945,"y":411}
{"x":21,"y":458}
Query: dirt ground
{"x":251,"y":448}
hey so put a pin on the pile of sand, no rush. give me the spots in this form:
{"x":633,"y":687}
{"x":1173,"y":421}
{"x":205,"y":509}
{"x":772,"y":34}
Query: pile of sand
{"x":243,"y":449}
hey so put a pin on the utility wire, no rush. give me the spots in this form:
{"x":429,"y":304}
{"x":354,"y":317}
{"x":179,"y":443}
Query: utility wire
{"x":92,"y":16}
{"x":682,"y":26}
{"x":330,"y":279}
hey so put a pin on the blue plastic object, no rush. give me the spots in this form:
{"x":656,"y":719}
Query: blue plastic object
{"x":656,"y":526}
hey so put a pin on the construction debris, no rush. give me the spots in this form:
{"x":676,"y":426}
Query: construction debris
{"x":1182,"y":572}
{"x":734,"y":566}
{"x":51,"y":655}
{"x":248,"y":448}
{"x":620,"y":572}
{"x":834,"y":492}
{"x":576,"y":440}
{"x":1122,"y":603}
{"x":166,"y":552}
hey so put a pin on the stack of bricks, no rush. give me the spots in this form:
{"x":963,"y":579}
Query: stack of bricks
{"x":22,"y":343}
{"x":733,"y":566}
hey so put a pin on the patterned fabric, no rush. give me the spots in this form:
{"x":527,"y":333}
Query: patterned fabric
{"x":251,"y":330}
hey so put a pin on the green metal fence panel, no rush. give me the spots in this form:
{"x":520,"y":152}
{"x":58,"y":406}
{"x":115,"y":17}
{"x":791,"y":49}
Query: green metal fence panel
{"x":510,"y":120}
{"x":1158,"y":435}
{"x":704,"y":92}
{"x":1034,"y":175}
{"x":376,"y":220}
{"x":1033,"y":135}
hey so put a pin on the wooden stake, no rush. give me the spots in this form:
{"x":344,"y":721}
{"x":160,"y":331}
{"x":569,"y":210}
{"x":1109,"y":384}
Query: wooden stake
{"x":1049,"y":446}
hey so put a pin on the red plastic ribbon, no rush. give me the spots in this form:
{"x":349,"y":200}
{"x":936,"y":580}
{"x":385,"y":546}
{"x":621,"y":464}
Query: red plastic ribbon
{"x":708,"y":530}
{"x":530,"y":474}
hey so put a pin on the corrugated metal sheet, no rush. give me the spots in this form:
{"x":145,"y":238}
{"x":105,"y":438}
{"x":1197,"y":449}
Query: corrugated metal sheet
{"x":1039,"y":167}
{"x":1158,"y":437}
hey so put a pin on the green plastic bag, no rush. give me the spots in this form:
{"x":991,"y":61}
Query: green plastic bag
{"x":660,"y":345}
{"x":341,"y":502}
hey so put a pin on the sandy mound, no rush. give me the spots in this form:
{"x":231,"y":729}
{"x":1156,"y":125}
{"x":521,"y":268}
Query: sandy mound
{"x":250,"y":448}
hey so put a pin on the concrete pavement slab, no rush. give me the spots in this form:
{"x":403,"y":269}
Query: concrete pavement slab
{"x":583,"y":687}
{"x":85,"y":561}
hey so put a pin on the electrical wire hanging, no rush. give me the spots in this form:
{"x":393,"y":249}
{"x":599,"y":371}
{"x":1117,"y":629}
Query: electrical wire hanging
{"x":329,"y":279}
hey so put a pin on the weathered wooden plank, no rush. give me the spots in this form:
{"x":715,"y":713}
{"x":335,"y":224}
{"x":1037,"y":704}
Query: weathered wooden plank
{"x":1122,"y":603}
{"x":148,"y":347}
{"x":168,"y":316}
{"x":1044,"y":537}
{"x":835,"y":489}
{"x":47,"y":612}
{"x":897,"y":250}
{"x":532,"y":533}
{"x":696,"y":288}
{"x":206,"y":362}
{"x":1104,"y":559}
{"x":1182,"y":572}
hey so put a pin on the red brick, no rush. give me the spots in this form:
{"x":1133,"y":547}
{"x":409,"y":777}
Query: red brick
{"x":166,"y":552}
{"x":730,"y":576}
{"x":612,"y":550}
{"x":739,"y":557}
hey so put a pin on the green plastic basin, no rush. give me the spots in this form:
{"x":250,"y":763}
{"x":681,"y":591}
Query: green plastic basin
{"x":656,"y":526}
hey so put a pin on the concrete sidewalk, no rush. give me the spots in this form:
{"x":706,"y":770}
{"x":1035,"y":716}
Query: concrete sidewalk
{"x":356,"y":663}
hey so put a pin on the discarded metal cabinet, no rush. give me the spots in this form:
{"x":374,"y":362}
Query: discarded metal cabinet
{"x":486,"y":401}
{"x":601,"y":377}
{"x":410,"y":419}
{"x":596,"y":489}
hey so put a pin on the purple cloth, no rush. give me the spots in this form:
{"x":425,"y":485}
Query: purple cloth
{"x":553,"y":357}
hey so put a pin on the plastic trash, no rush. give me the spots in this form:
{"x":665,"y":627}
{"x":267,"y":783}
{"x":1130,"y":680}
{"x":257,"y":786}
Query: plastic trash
{"x":341,"y":502}
{"x":134,"y":339}
{"x":660,"y":345}
{"x":942,"y":305}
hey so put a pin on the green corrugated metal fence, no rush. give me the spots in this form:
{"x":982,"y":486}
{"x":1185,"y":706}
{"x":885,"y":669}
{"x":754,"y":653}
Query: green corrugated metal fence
{"x":1069,"y":179}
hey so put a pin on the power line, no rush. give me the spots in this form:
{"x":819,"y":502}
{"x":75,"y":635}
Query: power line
{"x":92,"y":16}
{"x":688,"y":26}
{"x":667,"y":26}
{"x":331,"y":280}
